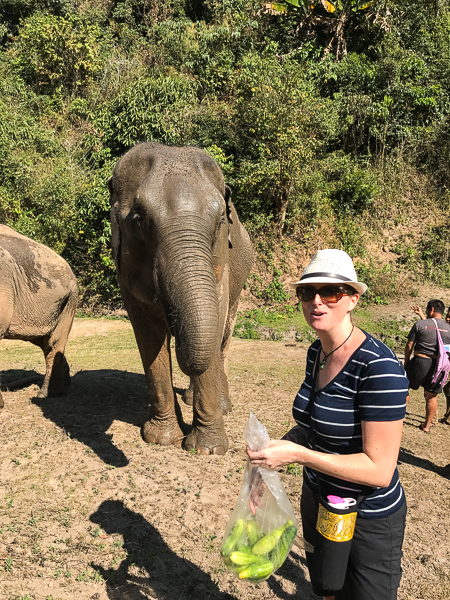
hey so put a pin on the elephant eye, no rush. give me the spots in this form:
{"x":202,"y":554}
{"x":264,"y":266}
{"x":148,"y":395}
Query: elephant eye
{"x":137,"y":217}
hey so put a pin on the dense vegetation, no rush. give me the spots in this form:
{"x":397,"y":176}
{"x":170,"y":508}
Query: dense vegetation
{"x":330,"y":120}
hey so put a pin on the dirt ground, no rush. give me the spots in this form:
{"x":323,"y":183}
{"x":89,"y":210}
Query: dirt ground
{"x":89,"y":511}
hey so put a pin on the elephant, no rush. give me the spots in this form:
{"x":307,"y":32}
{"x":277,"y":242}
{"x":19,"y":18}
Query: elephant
{"x":182,"y":258}
{"x":38,"y":298}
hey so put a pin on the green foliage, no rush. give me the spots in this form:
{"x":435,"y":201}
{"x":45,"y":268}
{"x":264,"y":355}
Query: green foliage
{"x":275,"y":291}
{"x":381,"y":281}
{"x":59,"y":53}
{"x":274,"y":127}
{"x":435,"y":253}
{"x":157,"y":108}
{"x":330,"y":122}
{"x":355,"y":192}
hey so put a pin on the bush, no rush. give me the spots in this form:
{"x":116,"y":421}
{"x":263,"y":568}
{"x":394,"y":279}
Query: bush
{"x":62,"y":53}
{"x":159,"y":108}
{"x":355,"y":192}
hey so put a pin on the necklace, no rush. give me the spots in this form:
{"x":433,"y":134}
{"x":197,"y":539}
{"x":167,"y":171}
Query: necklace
{"x":325,"y":356}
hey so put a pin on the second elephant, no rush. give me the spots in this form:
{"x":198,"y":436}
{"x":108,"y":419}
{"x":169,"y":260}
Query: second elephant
{"x":182,"y":258}
{"x":38,"y":299}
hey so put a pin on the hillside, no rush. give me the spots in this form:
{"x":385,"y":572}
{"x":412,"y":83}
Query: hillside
{"x":330,"y":123}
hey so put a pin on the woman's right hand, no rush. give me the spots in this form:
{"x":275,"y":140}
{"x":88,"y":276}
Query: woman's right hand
{"x":278,"y":454}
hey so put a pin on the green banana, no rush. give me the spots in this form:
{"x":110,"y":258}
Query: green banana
{"x":229,"y":544}
{"x":243,"y":558}
{"x":278,"y":555}
{"x":253,"y":531}
{"x":257,"y":570}
{"x":244,"y":548}
{"x":268,"y":542}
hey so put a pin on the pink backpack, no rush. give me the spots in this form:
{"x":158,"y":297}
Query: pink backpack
{"x":443,"y":361}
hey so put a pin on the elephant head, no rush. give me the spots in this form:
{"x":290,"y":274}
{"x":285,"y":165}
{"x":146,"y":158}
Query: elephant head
{"x":171,"y":220}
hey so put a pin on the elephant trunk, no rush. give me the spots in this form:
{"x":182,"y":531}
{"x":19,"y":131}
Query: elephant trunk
{"x":189,"y":288}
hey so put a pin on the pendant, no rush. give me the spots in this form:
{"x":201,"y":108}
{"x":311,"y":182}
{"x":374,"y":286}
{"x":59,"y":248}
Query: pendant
{"x":322,"y":364}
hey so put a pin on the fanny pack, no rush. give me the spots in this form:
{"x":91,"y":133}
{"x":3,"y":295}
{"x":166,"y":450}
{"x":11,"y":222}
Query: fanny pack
{"x":333,"y":540}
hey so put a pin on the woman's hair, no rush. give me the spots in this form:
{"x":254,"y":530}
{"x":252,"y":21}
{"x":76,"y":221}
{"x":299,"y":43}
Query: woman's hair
{"x":438,"y":306}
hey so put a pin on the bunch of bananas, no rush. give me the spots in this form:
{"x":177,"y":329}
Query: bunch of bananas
{"x":253,"y":555}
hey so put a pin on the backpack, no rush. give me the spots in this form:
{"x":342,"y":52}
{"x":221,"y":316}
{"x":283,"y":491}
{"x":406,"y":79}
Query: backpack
{"x":443,"y":361}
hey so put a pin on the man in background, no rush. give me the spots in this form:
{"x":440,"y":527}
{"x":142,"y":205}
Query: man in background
{"x":420,"y":369}
{"x":446,"y":390}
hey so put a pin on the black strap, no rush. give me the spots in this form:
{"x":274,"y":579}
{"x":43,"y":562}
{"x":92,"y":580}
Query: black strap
{"x":329,"y":275}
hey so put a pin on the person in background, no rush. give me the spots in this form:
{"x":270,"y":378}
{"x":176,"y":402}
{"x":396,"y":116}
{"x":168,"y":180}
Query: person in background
{"x":420,"y":369}
{"x":446,"y":390}
{"x":351,"y":405}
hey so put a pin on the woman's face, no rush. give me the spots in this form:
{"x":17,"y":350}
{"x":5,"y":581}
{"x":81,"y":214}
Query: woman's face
{"x":326,"y":316}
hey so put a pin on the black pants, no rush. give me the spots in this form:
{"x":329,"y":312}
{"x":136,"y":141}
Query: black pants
{"x":420,"y":372}
{"x":374,"y":568}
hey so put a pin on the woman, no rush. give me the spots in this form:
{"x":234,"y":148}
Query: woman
{"x":352,"y":403}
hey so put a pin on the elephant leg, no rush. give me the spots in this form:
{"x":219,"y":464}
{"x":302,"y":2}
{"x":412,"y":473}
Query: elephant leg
{"x":57,"y":373}
{"x":225,"y":402}
{"x":5,"y":320}
{"x":153,"y":340}
{"x":56,"y":369}
{"x":208,"y":433}
{"x":188,"y":396}
{"x":163,"y":425}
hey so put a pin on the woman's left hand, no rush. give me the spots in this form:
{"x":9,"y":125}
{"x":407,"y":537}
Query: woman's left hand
{"x":278,"y":453}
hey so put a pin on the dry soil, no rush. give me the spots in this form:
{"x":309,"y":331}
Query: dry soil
{"x":89,"y":511}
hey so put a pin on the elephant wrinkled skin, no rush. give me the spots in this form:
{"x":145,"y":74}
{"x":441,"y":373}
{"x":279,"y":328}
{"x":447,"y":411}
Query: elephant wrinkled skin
{"x":182,"y":258}
{"x":38,"y":297}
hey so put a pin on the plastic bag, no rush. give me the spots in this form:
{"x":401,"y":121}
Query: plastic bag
{"x":256,"y":544}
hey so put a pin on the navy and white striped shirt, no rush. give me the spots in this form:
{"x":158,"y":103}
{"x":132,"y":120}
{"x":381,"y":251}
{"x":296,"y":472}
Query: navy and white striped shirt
{"x":371,"y":387}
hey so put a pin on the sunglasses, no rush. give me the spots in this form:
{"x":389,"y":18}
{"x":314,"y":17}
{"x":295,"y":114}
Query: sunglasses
{"x":328,"y":293}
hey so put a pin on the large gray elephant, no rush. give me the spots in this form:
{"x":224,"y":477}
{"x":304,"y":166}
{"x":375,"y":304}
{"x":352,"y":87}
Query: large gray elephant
{"x":182,"y":258}
{"x":38,"y":298}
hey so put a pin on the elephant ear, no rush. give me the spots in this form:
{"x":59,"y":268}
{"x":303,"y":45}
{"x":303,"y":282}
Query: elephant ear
{"x":229,"y":215}
{"x":115,"y":229}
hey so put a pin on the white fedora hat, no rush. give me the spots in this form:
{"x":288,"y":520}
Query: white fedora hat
{"x":331,"y":266}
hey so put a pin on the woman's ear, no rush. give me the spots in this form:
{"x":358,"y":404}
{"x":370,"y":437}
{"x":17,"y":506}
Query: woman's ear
{"x":354,"y":300}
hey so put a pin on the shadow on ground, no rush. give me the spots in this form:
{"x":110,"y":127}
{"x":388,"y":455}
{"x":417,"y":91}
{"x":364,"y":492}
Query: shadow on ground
{"x":15,"y":379}
{"x":406,"y":456}
{"x":165,"y":575}
{"x":90,"y":405}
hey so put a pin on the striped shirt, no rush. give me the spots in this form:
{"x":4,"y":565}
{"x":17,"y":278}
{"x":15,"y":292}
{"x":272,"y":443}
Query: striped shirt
{"x":371,"y":387}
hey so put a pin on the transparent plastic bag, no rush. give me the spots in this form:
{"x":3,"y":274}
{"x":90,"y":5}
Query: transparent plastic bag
{"x":263,"y":526}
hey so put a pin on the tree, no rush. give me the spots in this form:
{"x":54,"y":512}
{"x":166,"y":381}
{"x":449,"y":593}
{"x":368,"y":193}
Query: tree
{"x":330,"y":18}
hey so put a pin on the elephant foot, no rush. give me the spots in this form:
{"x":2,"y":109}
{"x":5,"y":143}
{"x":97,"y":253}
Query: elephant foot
{"x":52,"y":392}
{"x":164,"y":432}
{"x":225,"y":405}
{"x":43,"y":393}
{"x":207,"y":440}
{"x":2,"y":404}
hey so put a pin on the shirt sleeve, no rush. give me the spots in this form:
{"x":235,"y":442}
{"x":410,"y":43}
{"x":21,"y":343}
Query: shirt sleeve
{"x":382,"y":390}
{"x":412,"y":334}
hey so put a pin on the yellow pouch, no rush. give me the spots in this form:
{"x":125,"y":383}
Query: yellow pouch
{"x":335,"y":527}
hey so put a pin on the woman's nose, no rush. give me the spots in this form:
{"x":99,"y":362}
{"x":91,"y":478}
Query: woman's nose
{"x":317,"y":299}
